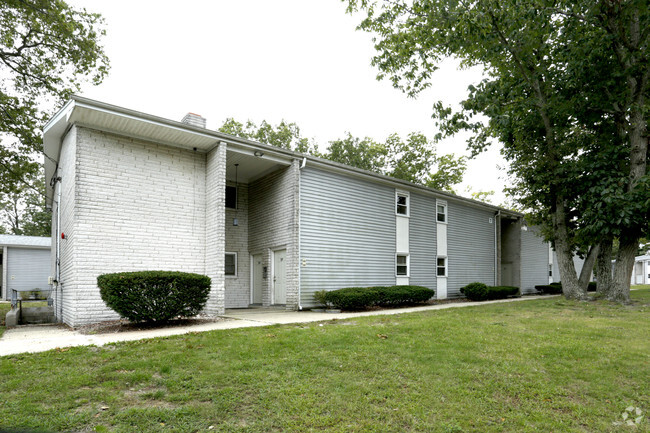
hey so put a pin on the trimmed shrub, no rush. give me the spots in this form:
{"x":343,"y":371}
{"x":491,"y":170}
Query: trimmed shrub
{"x":353,"y":298}
{"x":502,"y":292}
{"x":475,"y":291}
{"x":154,"y":296}
{"x":550,"y":289}
{"x":403,"y":295}
{"x":358,"y":298}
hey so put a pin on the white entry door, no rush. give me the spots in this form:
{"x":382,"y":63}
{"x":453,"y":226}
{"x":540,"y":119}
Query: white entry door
{"x":279,"y":277}
{"x":258,"y":273}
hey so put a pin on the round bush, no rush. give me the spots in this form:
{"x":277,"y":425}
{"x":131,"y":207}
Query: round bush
{"x":154,"y":296}
{"x":475,"y":291}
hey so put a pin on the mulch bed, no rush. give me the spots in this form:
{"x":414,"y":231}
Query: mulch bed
{"x":123,"y":325}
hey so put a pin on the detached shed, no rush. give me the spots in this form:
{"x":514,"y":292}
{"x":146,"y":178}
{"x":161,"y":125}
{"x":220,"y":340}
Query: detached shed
{"x":24,"y":263}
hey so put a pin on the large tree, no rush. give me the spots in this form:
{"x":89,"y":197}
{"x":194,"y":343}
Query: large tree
{"x":47,"y":50}
{"x":565,"y":90}
{"x":413,"y":159}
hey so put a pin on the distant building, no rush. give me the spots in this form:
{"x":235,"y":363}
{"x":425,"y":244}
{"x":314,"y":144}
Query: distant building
{"x":24,"y":263}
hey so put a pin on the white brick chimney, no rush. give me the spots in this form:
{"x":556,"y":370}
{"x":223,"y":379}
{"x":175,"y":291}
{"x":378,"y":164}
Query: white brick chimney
{"x":194,"y":120}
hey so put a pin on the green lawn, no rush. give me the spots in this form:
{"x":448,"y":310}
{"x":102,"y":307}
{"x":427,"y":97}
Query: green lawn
{"x":546,"y":365}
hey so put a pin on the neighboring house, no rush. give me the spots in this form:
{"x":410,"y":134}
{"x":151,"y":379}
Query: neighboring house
{"x":641,"y":271}
{"x":24,"y":263}
{"x":131,"y":191}
{"x":554,"y":274}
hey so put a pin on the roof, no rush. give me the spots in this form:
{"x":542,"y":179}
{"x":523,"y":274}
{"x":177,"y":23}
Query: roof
{"x":113,"y":119}
{"x":25,"y":241}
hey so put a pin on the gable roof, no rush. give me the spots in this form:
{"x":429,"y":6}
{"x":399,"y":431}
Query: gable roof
{"x":121,"y":121}
{"x":25,"y":241}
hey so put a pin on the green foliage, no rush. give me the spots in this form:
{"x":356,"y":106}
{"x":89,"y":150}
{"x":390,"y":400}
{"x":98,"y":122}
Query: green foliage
{"x":358,"y":298}
{"x":550,"y":289}
{"x":414,"y":159}
{"x":284,"y":135}
{"x":502,"y":292}
{"x":154,"y":296}
{"x":320,"y":297}
{"x":47,"y":51}
{"x":23,"y":210}
{"x":565,"y":90}
{"x":475,"y":291}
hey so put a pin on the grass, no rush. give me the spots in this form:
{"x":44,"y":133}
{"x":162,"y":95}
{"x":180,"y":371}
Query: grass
{"x":543,"y":365}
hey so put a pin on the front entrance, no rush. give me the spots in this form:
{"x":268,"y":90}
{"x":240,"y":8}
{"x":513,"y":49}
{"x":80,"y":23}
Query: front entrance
{"x":258,"y":276}
{"x":279,"y":277}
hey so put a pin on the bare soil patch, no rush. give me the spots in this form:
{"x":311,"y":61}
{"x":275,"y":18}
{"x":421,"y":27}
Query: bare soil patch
{"x":123,"y":325}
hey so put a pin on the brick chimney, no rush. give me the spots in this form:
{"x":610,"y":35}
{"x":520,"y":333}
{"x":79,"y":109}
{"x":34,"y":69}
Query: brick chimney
{"x":194,"y":120}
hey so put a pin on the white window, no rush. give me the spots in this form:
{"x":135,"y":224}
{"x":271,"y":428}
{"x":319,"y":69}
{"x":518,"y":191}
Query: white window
{"x":231,"y":265}
{"x":441,"y":212}
{"x":402,"y":203}
{"x":402,"y":265}
{"x":441,"y":267}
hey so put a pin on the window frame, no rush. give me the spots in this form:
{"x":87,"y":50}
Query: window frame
{"x":406,"y":195}
{"x":224,"y":265}
{"x":443,"y":204}
{"x":407,"y":265}
{"x":444,"y":267}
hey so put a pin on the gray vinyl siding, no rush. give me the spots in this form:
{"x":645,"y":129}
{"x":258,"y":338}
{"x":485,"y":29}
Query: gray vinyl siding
{"x":470,"y":247}
{"x":534,"y":261}
{"x":30,"y":268}
{"x":422,"y":241}
{"x":347,"y":233}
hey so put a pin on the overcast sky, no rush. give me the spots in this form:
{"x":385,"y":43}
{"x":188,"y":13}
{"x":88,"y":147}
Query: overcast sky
{"x":301,"y":61}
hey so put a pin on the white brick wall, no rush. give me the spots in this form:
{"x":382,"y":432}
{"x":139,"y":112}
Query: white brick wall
{"x":215,"y":239}
{"x":273,"y":224}
{"x":65,"y":293}
{"x":138,"y":206}
{"x":238,"y":288}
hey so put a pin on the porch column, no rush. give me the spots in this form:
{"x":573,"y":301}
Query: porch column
{"x":215,"y":229}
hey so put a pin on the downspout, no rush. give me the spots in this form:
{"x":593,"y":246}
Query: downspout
{"x":57,"y":260}
{"x":497,"y":220}
{"x":302,"y":165}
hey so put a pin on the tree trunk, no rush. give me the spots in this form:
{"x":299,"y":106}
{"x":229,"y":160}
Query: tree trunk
{"x":570,"y":285}
{"x":604,"y":268}
{"x":620,"y":290}
{"x":588,"y":267}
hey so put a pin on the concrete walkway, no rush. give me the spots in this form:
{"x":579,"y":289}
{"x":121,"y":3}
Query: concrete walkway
{"x":39,"y":338}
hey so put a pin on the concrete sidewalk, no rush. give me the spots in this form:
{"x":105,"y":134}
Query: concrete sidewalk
{"x":39,"y":338}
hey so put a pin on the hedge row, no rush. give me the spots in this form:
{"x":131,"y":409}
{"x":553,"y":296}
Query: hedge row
{"x":358,"y":298}
{"x":154,"y":296}
{"x":483,"y":292}
{"x":556,"y":288}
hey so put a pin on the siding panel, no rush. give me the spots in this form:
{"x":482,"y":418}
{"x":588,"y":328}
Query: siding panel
{"x":470,"y":247}
{"x":423,"y":241}
{"x":534,"y":261}
{"x":347,"y":233}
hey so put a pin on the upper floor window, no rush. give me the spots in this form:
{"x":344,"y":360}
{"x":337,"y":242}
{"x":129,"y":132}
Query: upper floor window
{"x":441,"y":212}
{"x":231,"y":197}
{"x":402,"y":203}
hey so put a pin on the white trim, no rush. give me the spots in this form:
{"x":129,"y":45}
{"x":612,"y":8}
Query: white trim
{"x":405,"y":194}
{"x":251,"y":263}
{"x":224,"y":270}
